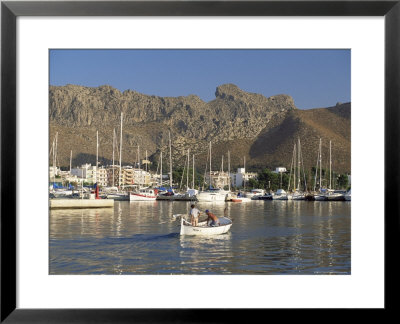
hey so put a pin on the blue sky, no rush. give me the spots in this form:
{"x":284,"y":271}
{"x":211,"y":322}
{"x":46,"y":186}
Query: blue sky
{"x":314,"y":78}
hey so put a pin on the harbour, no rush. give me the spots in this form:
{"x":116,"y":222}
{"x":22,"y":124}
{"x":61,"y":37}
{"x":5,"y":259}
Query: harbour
{"x":267,"y":237}
{"x":130,"y":171}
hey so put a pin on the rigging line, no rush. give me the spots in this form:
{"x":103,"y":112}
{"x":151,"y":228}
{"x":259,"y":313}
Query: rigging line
{"x":290,"y":175}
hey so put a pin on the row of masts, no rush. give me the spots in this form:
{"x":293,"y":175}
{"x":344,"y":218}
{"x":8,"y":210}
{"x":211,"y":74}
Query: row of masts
{"x":297,"y":155}
{"x":319,"y":164}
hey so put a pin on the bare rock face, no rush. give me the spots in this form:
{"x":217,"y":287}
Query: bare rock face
{"x":77,"y":112}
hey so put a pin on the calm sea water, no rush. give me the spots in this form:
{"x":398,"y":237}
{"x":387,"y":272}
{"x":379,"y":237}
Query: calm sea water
{"x":267,"y":237}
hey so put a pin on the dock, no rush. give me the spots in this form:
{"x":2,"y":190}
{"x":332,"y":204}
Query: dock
{"x":81,"y":203}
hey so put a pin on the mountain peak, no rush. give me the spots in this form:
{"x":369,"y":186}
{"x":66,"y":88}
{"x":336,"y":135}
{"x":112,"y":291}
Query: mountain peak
{"x":229,"y":91}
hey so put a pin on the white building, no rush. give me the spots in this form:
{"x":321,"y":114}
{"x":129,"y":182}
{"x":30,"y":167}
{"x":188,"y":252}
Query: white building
{"x":54,"y":172}
{"x":241,"y":177}
{"x":218,"y":179}
{"x":86,"y":172}
{"x":102,"y":177}
{"x":280,"y":170}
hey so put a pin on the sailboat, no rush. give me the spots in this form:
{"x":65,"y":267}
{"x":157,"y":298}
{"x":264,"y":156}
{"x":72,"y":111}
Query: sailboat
{"x":212,"y":194}
{"x":320,"y":195}
{"x":281,"y":194}
{"x":118,"y":194}
{"x":190,"y":192}
{"x":298,"y":194}
{"x":142,"y":194}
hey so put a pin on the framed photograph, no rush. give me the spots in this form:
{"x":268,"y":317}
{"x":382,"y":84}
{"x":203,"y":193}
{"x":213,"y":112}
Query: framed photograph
{"x":279,"y":109}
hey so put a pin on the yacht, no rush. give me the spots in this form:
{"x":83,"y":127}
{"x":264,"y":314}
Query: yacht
{"x":212,"y":194}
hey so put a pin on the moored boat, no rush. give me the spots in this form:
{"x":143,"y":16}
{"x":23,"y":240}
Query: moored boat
{"x":212,"y":195}
{"x":281,"y":195}
{"x":267,"y":196}
{"x":241,"y":199}
{"x":204,"y":229}
{"x":320,"y":197}
{"x":347,"y":196}
{"x":298,"y":196}
{"x":255,"y":194}
{"x":143,"y":195}
{"x":335,"y":195}
{"x":120,"y":196}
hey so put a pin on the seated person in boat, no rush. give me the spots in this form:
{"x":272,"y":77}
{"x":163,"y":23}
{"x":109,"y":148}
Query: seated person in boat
{"x":213,"y":218}
{"x":194,"y":215}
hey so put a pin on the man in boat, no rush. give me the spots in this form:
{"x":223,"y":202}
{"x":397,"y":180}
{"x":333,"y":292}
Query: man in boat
{"x":213,"y":218}
{"x":194,"y":215}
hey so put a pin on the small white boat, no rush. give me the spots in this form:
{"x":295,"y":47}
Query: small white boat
{"x":212,"y":195}
{"x":297,"y":195}
{"x":255,"y":193}
{"x":281,"y":195}
{"x":332,"y":195}
{"x":320,"y":197}
{"x":143,"y":195}
{"x":203,"y":229}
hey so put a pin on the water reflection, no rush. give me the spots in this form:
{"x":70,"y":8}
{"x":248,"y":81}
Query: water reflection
{"x":267,"y":237}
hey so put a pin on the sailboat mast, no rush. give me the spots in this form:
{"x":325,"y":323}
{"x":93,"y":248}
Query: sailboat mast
{"x":298,"y":165}
{"x":193,"y":173}
{"x":140,"y":171}
{"x":120,"y":155}
{"x":187,"y":171}
{"x":210,"y":164}
{"x":97,"y":155}
{"x":70,"y":163}
{"x":161,"y":169}
{"x":55,"y":157}
{"x":229,"y":170}
{"x":316,"y":173}
{"x":320,"y":165}
{"x":294,"y":167}
{"x":244,"y":166}
{"x":330,"y":164}
{"x":170,"y":160}
{"x":113,"y":163}
{"x":54,"y":162}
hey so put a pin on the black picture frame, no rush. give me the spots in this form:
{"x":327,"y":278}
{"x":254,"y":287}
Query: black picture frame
{"x":10,"y":10}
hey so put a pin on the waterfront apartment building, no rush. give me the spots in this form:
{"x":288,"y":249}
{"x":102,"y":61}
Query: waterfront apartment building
{"x":110,"y":175}
{"x":102,"y":177}
{"x":241,"y":177}
{"x":218,"y":179}
{"x":113,"y":176}
{"x":86,"y":172}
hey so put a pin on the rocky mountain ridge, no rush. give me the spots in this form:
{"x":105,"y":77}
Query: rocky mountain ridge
{"x":248,"y":124}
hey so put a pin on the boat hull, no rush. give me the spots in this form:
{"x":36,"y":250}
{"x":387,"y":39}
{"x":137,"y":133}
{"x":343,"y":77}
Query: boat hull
{"x":139,"y":197}
{"x":177,"y":198}
{"x":335,"y":198}
{"x":118,"y":197}
{"x":244,"y":199}
{"x":281,"y":197}
{"x":202,"y":229}
{"x":206,"y":196}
